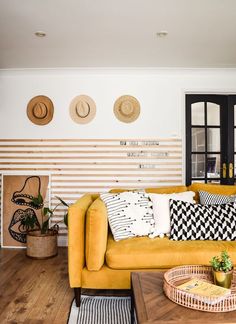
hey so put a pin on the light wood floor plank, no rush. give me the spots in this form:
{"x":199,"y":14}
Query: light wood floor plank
{"x":34,"y":291}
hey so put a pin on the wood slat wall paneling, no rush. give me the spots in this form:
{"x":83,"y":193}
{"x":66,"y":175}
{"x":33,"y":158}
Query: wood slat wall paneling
{"x":78,"y":166}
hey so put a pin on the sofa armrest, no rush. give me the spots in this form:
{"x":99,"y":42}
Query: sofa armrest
{"x":76,"y":238}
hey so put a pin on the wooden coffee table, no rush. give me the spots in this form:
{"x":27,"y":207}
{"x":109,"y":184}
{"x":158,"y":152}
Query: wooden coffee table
{"x":152,"y":306}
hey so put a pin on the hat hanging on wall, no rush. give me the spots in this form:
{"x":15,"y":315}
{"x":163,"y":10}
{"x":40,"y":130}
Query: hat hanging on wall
{"x":127,"y":109}
{"x":40,"y":110}
{"x":82,"y":109}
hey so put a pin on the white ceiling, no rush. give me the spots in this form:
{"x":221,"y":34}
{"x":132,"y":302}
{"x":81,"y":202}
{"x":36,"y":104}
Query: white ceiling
{"x":121,"y":33}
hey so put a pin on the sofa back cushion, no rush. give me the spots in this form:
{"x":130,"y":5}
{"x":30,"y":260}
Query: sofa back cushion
{"x":160,"y":190}
{"x":167,"y":190}
{"x":96,"y":235}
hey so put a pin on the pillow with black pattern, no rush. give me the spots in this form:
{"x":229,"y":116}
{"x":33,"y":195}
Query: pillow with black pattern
{"x":130,"y":214}
{"x":198,"y":222}
{"x":207,"y":198}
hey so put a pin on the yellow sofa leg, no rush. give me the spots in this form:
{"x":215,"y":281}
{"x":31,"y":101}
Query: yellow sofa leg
{"x":77,"y":292}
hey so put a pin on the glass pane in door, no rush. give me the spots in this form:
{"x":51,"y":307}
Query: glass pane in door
{"x":213,"y":114}
{"x":213,"y":139}
{"x":198,"y":165}
{"x":213,"y":166}
{"x":198,"y":113}
{"x":198,"y":139}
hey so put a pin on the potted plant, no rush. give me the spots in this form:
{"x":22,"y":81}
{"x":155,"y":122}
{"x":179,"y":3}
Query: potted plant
{"x":42,"y":243}
{"x":222,"y":267}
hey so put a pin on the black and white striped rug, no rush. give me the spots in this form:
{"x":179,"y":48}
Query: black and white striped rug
{"x":101,"y":310}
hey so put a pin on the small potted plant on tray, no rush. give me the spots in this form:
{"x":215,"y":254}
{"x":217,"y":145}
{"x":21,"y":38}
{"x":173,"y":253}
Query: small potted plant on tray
{"x":42,"y":242}
{"x":222,"y":267}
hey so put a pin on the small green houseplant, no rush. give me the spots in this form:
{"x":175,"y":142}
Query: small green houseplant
{"x":222,"y":267}
{"x":30,"y":222}
{"x":41,"y":238}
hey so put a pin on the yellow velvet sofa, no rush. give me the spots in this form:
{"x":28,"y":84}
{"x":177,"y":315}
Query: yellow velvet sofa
{"x":96,"y":261}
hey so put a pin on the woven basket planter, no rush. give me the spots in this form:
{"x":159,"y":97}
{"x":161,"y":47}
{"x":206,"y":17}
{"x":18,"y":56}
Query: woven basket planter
{"x":41,"y":246}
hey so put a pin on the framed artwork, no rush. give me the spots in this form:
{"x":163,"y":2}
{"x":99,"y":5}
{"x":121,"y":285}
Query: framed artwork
{"x":18,"y":191}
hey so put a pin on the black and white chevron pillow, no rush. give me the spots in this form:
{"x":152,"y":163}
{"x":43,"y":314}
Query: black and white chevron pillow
{"x":207,"y":198}
{"x":129,"y":214}
{"x":198,"y":222}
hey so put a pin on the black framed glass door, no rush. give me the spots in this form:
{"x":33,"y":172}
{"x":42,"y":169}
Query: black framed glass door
{"x":210,"y":138}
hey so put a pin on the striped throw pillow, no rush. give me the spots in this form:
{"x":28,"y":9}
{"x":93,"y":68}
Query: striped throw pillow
{"x":207,"y":198}
{"x":130,"y":214}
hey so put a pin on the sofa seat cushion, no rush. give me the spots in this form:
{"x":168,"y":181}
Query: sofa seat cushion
{"x":146,"y":253}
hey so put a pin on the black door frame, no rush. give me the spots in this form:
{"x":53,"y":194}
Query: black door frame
{"x":226,"y":103}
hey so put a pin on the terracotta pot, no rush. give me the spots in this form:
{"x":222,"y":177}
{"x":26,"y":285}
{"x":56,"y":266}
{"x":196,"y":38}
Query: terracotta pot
{"x":222,"y":278}
{"x":41,"y":246}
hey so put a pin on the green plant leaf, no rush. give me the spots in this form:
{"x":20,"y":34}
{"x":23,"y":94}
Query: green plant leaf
{"x":40,"y":198}
{"x":222,"y":263}
{"x":45,"y":226}
{"x":29,"y":222}
{"x":66,"y":219}
{"x":37,"y":201}
{"x":47,"y":211}
{"x":62,"y":201}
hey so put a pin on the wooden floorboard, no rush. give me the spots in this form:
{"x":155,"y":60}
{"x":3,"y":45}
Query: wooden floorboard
{"x":34,"y":291}
{"x":37,"y":291}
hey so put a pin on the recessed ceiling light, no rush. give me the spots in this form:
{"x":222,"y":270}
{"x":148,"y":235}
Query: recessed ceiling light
{"x":162,"y":33}
{"x":40,"y":34}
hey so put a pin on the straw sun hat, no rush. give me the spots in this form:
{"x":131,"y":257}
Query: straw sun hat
{"x":82,"y":109}
{"x":127,"y":109}
{"x":40,"y":110}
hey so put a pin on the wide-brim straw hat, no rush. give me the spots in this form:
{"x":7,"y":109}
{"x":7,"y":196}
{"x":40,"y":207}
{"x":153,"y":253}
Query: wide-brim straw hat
{"x":40,"y":110}
{"x":82,"y":109}
{"x":127,"y":109}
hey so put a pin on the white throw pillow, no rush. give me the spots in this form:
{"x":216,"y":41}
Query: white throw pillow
{"x":129,"y":214}
{"x":161,"y":210}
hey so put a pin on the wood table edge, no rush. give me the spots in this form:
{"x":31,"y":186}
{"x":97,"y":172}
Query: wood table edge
{"x":138,"y":298}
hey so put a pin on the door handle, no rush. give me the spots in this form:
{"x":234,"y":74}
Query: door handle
{"x":224,"y":170}
{"x":231,"y":170}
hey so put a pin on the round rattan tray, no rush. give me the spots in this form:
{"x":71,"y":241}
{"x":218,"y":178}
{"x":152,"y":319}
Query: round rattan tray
{"x":178,"y":275}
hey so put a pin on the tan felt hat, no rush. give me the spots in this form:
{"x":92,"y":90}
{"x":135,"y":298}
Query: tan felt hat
{"x":82,"y":109}
{"x":127,"y":109}
{"x":40,"y":110}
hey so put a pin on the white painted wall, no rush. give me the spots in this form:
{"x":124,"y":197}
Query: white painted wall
{"x":160,"y":93}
